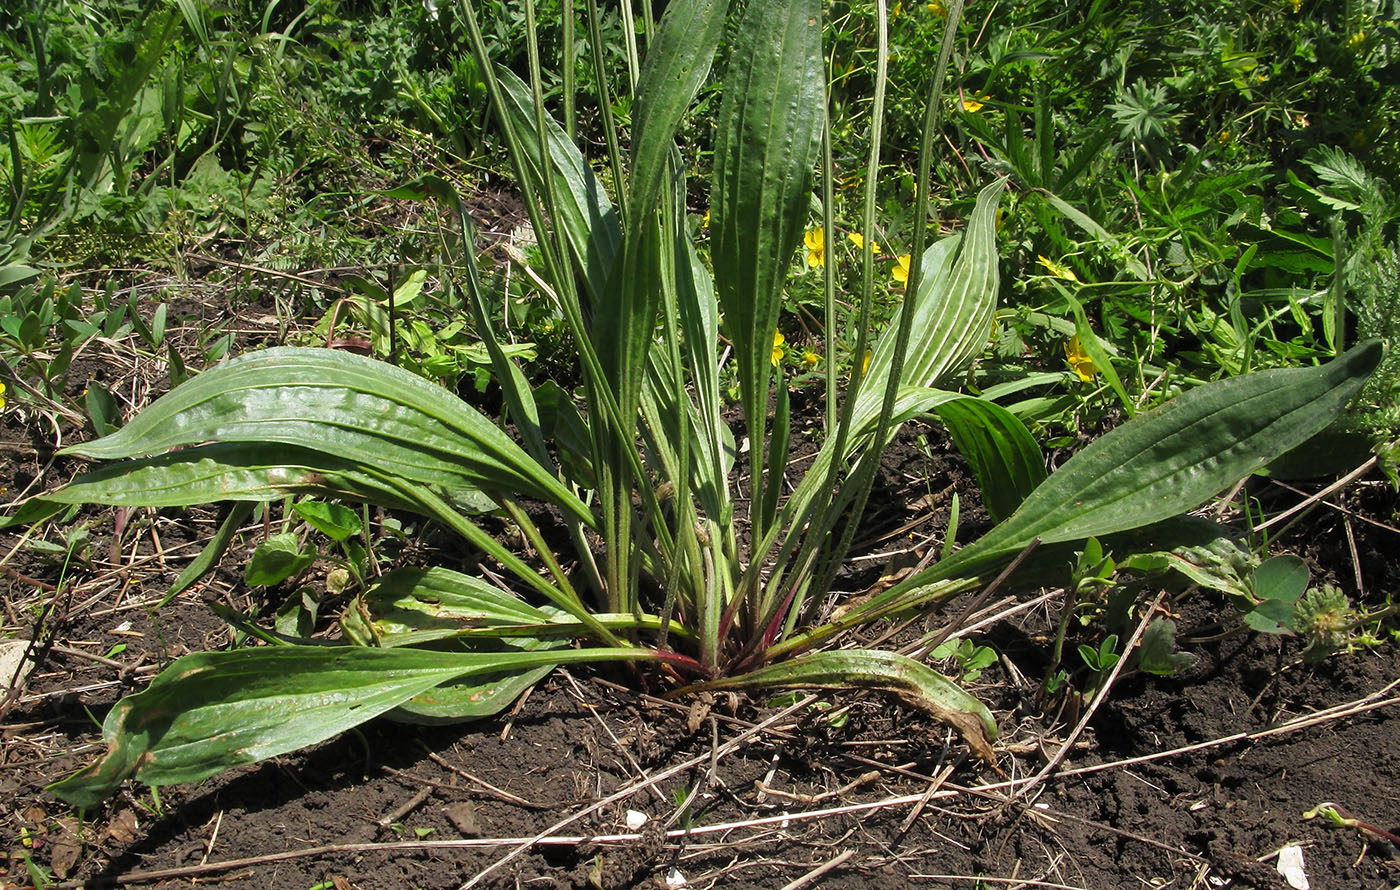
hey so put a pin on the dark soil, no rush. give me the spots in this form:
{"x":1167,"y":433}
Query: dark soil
{"x":1195,"y":781}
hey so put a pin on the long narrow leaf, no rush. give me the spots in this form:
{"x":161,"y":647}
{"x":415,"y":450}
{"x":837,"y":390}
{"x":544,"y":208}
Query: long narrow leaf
{"x":582,"y":208}
{"x":952,"y":315}
{"x":1170,"y":460}
{"x":211,"y":711}
{"x":677,"y":63}
{"x":1004,"y":456}
{"x":346,"y":406}
{"x":915,"y":683}
{"x":767,"y":144}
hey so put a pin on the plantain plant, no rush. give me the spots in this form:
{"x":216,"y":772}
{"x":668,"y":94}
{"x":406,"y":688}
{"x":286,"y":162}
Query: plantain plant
{"x":642,"y":476}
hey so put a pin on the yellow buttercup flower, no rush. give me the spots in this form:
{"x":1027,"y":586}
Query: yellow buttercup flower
{"x":1079,"y":359}
{"x":900,"y":272}
{"x":1295,"y":4}
{"x":938,"y":9}
{"x":815,"y":240}
{"x":972,"y":104}
{"x":1356,"y":40}
{"x":2,"y":396}
{"x":810,"y":358}
{"x":705,"y":220}
{"x":1059,"y":270}
{"x":858,"y":240}
{"x":777,"y":354}
{"x":865,"y":365}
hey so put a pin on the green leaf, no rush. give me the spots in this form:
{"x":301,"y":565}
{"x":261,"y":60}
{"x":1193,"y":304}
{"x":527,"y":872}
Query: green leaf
{"x":211,"y":711}
{"x":1004,"y":456}
{"x":917,"y":684}
{"x":766,"y":144}
{"x":677,"y":63}
{"x":102,"y":408}
{"x":228,"y":472}
{"x":296,"y":617}
{"x":211,"y":553}
{"x":1172,"y":459}
{"x":582,"y":209}
{"x":1157,"y":652}
{"x":335,"y":521}
{"x":952,"y":315}
{"x":352,"y":410}
{"x":277,"y":559}
{"x":1278,"y":583}
{"x":416,"y":606}
{"x":1281,"y":578}
{"x":1270,"y":617}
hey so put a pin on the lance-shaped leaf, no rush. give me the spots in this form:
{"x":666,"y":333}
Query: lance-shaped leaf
{"x":414,"y":606}
{"x":915,"y":683}
{"x":434,"y":607}
{"x":242,"y":471}
{"x":1004,"y":456}
{"x":677,"y":63}
{"x":582,"y":207}
{"x":1174,"y":458}
{"x":952,"y":315}
{"x":766,"y":147}
{"x":351,"y":408}
{"x":211,"y":711}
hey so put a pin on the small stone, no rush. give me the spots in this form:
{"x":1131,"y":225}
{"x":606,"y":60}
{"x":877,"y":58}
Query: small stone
{"x":462,"y":815}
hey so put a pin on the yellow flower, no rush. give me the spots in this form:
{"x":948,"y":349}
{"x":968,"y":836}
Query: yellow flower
{"x":1295,"y":4}
{"x":938,"y":9}
{"x":815,"y":239}
{"x":1223,"y":138}
{"x":2,"y":396}
{"x":900,"y":272}
{"x":810,"y":358}
{"x":777,"y":354}
{"x":1356,"y":40}
{"x":705,"y":221}
{"x":1079,"y":359}
{"x":972,"y":104}
{"x":1059,"y":270}
{"x":865,"y":365}
{"x":859,"y":241}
